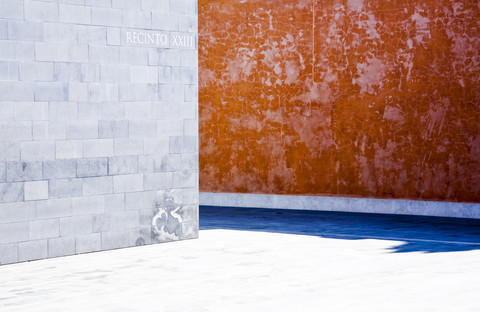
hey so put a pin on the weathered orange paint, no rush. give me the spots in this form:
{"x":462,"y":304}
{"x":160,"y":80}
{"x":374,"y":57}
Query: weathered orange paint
{"x":346,"y":98}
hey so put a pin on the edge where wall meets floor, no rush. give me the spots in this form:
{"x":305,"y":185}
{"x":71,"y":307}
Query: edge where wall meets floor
{"x":346,"y":204}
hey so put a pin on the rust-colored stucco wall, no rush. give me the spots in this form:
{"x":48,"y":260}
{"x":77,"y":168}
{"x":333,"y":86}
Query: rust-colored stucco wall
{"x":371,"y":98}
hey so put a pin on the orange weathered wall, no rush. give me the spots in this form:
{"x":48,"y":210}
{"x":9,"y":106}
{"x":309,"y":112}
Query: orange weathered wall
{"x":346,"y":98}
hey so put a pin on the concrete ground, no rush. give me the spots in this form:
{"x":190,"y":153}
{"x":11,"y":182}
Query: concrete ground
{"x":268,"y":260}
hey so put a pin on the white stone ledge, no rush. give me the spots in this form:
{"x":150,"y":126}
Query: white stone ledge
{"x":345,"y":204}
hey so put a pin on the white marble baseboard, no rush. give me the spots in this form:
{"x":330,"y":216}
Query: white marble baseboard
{"x":346,"y":204}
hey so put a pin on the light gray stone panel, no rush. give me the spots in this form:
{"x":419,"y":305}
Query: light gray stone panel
{"x":185,"y":75}
{"x":8,"y":253}
{"x":41,"y":11}
{"x":156,"y":145}
{"x":36,"y":190}
{"x":25,"y":30}
{"x":113,"y":240}
{"x":37,"y":151}
{"x":77,"y":14}
{"x":61,"y":52}
{"x":143,"y":74}
{"x":128,"y":92}
{"x":158,"y":181}
{"x":63,"y":111}
{"x":170,"y":127}
{"x":91,"y":72}
{"x":82,"y":130}
{"x":188,"y":24}
{"x":11,"y":192}
{"x":88,"y":205}
{"x":164,"y":74}
{"x":77,"y":91}
{"x":168,"y":163}
{"x":107,"y":16}
{"x":68,"y":72}
{"x":114,"y":203}
{"x":17,"y":212}
{"x":183,"y":144}
{"x":61,"y":246}
{"x":141,"y":201}
{"x":143,"y":129}
{"x":137,"y":19}
{"x":47,"y":228}
{"x":6,"y":111}
{"x":99,"y":3}
{"x":90,"y":111}
{"x":68,"y":149}
{"x":127,"y":4}
{"x":18,"y":130}
{"x":161,"y":6}
{"x":101,"y":223}
{"x":189,"y":58}
{"x":12,"y":9}
{"x":98,"y":148}
{"x":128,"y":147}
{"x":97,"y":186}
{"x":92,"y":167}
{"x":78,"y":225}
{"x":103,"y":54}
{"x":14,"y":91}
{"x":9,"y":71}
{"x":164,"y":57}
{"x":113,"y":36}
{"x":173,"y":111}
{"x":88,"y":243}
{"x":124,"y":220}
{"x":13,"y":232}
{"x":146,"y":164}
{"x":9,"y":151}
{"x":170,"y":93}
{"x":185,"y":178}
{"x":164,"y":21}
{"x":62,"y":188}
{"x":33,"y":250}
{"x":23,"y":171}
{"x":190,"y":196}
{"x":183,"y":7}
{"x":31,"y":111}
{"x":128,"y":183}
{"x":114,"y":73}
{"x":51,"y":91}
{"x":113,"y":129}
{"x":146,"y":216}
{"x":59,"y":32}
{"x":190,"y":161}
{"x":17,"y":50}
{"x":123,"y":165}
{"x":113,"y":110}
{"x":138,"y":110}
{"x":191,"y":93}
{"x":91,"y":35}
{"x":134,"y":56}
{"x":140,"y":236}
{"x":101,"y":92}
{"x":49,"y":130}
{"x":3,"y":29}
{"x":190,"y":127}
{"x":54,"y":208}
{"x":189,"y":230}
{"x":3,"y":172}
{"x":60,"y":169}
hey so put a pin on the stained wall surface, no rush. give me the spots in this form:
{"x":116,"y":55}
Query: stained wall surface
{"x":360,"y":98}
{"x":98,"y":125}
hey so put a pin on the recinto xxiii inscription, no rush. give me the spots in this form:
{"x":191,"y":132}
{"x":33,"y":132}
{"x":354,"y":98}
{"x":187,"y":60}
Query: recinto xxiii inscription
{"x":158,"y":39}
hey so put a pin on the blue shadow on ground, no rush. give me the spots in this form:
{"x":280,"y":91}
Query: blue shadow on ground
{"x":419,"y":233}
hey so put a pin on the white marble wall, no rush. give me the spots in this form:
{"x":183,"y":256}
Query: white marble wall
{"x":98,"y":131}
{"x":346,"y":204}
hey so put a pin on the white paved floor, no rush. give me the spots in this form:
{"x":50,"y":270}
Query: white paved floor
{"x":229,"y":270}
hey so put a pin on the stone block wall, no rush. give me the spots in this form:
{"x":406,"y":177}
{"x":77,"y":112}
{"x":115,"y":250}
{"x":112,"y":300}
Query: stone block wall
{"x":98,"y":125}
